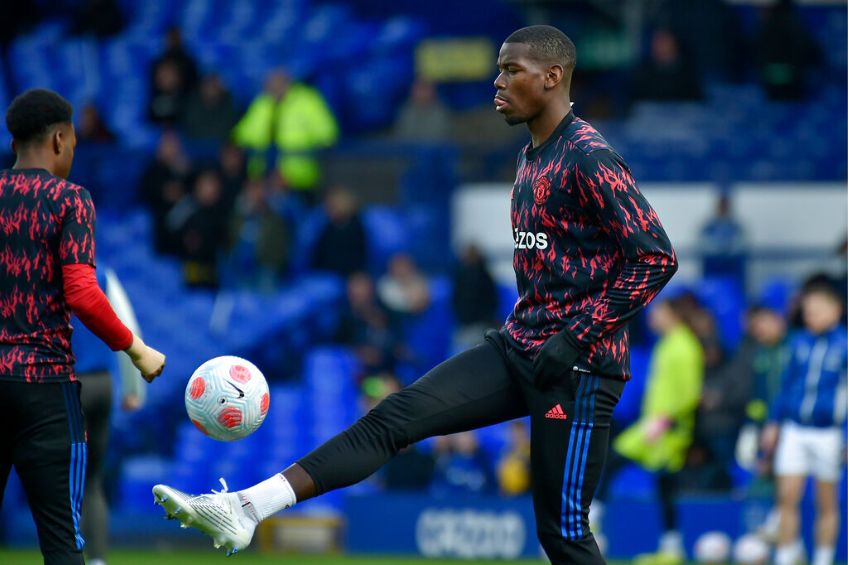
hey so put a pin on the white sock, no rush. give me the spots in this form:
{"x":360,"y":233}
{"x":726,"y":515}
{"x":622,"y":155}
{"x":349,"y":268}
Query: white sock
{"x":268,"y":497}
{"x":671,"y":542}
{"x":596,"y":516}
{"x":824,"y":555}
{"x":788,"y":554}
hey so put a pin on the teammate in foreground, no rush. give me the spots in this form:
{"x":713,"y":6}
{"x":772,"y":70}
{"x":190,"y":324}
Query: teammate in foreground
{"x":589,"y":254}
{"x":808,"y":416}
{"x":46,"y":272}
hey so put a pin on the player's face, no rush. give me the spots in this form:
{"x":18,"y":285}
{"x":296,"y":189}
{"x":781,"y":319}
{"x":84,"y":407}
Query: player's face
{"x":520,"y":85}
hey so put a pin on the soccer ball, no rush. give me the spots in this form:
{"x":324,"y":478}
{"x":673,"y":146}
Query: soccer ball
{"x":713,"y":547}
{"x":751,"y":550}
{"x":227,"y":398}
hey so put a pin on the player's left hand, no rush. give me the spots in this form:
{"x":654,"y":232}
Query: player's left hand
{"x":555,"y":361}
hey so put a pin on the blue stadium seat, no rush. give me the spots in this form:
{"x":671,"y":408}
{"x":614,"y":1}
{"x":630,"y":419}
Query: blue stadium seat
{"x":387,"y":235}
{"x":428,"y":334}
{"x":507,"y":297}
{"x":726,"y":301}
{"x":399,"y":32}
{"x":137,"y":476}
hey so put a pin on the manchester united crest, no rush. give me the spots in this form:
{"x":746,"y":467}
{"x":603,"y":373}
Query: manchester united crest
{"x":541,"y":190}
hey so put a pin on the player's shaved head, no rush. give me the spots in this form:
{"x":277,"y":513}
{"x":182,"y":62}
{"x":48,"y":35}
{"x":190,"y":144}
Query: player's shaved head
{"x":548,"y":45}
{"x":32,"y":113}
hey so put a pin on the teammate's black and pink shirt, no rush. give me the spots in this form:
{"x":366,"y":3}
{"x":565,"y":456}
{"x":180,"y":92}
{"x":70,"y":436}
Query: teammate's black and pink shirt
{"x":590,"y":251}
{"x":45,"y":222}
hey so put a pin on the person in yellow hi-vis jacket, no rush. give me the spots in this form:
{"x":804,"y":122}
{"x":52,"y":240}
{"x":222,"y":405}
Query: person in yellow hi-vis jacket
{"x":659,"y":439}
{"x":294,"y":118}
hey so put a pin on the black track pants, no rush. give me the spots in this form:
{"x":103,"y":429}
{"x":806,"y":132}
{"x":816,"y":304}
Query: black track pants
{"x":488,"y":384}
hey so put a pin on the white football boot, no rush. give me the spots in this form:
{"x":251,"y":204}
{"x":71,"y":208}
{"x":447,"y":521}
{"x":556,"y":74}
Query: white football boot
{"x":220,"y":515}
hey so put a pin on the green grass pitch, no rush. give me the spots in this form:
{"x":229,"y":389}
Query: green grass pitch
{"x":122,"y":557}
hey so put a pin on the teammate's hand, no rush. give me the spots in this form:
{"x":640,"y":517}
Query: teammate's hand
{"x":146,"y":359}
{"x":555,"y":361}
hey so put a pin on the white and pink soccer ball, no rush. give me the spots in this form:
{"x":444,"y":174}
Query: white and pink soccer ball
{"x":751,"y":550}
{"x":227,"y":398}
{"x":713,"y":547}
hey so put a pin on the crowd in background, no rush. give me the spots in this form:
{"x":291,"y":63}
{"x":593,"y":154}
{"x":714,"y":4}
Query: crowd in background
{"x":237,"y":208}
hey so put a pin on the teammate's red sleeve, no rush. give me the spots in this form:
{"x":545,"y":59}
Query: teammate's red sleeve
{"x":93,"y":308}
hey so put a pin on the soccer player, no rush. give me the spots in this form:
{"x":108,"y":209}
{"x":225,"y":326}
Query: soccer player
{"x":47,"y":272}
{"x":806,"y":424}
{"x":589,"y":254}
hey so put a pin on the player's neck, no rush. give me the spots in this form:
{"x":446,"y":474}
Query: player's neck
{"x":542,"y":126}
{"x":32,"y":160}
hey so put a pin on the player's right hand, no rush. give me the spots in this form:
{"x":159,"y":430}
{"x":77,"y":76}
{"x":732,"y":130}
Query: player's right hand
{"x":147,"y":360}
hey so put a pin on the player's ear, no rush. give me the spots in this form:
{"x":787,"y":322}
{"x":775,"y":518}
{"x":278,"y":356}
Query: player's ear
{"x":57,"y":140}
{"x":554,"y":76}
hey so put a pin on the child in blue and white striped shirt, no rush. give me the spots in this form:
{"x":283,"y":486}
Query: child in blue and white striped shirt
{"x":806,"y":424}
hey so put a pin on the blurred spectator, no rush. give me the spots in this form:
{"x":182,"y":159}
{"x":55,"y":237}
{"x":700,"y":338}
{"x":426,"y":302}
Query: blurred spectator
{"x":295,"y":119}
{"x":173,"y":75}
{"x":366,"y":328}
{"x":701,"y":22}
{"x":795,"y":315}
{"x":702,"y":322}
{"x":200,"y":220}
{"x":724,"y":245}
{"x":423,"y":117}
{"x":287,"y":205}
{"x":101,"y":18}
{"x":659,"y":440}
{"x":461,"y":466}
{"x":786,"y":51}
{"x":767,"y":328}
{"x":176,"y":53}
{"x":167,"y":98}
{"x":260,"y":244}
{"x":231,"y":168}
{"x":342,"y":246}
{"x":668,"y":74}
{"x":404,"y":289}
{"x":163,"y":185}
{"x":91,"y":129}
{"x":806,"y":425}
{"x":210,"y":113}
{"x":475,"y":298}
{"x":514,"y":466}
{"x":726,"y":395}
